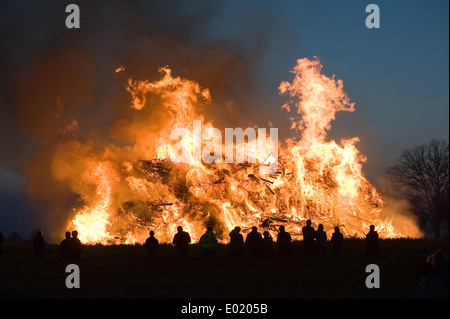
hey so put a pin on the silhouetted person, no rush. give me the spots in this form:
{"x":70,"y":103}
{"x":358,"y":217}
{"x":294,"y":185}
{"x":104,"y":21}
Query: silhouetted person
{"x":151,"y":244}
{"x":267,"y":244}
{"x":440,"y":270}
{"x":321,"y":240}
{"x":254,"y":242}
{"x":38,"y":244}
{"x":284,"y":240}
{"x":64,"y":246}
{"x":1,"y":243}
{"x":336,"y":240}
{"x":308,"y":238}
{"x":181,"y":240}
{"x":75,"y":247}
{"x":236,"y":242}
{"x":372,"y":247}
{"x":208,"y":242}
{"x":424,"y":273}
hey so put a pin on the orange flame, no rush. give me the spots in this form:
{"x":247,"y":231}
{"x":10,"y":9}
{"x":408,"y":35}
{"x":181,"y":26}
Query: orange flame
{"x":317,"y":179}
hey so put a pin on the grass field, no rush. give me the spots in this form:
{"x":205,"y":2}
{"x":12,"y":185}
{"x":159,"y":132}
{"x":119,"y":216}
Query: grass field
{"x":128,"y":272}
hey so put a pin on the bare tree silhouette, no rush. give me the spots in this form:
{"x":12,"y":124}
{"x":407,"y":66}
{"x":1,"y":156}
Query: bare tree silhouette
{"x":420,"y":175}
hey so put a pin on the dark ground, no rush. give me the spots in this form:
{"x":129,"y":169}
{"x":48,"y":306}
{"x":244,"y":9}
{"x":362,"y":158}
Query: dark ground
{"x":128,"y":272}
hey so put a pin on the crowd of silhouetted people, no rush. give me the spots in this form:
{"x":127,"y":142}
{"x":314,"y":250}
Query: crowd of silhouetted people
{"x":434,"y":269}
{"x":315,"y":243}
{"x":70,"y":247}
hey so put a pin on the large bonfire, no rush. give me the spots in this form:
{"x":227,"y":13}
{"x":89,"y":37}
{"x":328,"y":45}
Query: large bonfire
{"x":126,"y":195}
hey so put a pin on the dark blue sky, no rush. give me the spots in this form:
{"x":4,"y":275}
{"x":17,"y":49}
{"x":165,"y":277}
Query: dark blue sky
{"x":397,"y":75}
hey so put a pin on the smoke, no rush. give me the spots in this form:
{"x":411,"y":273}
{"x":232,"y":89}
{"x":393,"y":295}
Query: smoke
{"x":403,"y":219}
{"x":64,"y":106}
{"x":399,"y":209}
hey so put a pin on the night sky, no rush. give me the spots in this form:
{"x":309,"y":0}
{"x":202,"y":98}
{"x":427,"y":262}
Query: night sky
{"x":396,"y":75}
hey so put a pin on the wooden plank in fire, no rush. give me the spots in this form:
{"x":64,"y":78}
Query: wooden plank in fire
{"x":270,"y":189}
{"x":254,"y":178}
{"x":279,"y":219}
{"x":220,"y":180}
{"x":258,"y":180}
{"x":266,"y":180}
{"x":275,"y":175}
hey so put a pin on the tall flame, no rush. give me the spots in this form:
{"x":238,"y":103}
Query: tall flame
{"x":316,"y":179}
{"x":92,"y":221}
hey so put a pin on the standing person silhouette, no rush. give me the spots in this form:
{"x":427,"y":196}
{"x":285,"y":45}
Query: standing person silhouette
{"x":236,"y":242}
{"x":336,"y":240}
{"x":151,"y":244}
{"x":284,"y":240}
{"x":441,"y":270}
{"x":309,"y":235}
{"x":38,"y":245}
{"x":64,"y":246}
{"x":427,"y":284}
{"x":75,"y":247}
{"x":181,"y":240}
{"x":267,"y":244}
{"x":372,"y":247}
{"x":321,"y":240}
{"x":254,"y":242}
{"x":208,"y":242}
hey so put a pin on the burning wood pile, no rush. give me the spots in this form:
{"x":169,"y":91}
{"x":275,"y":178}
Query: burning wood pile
{"x":314,"y":179}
